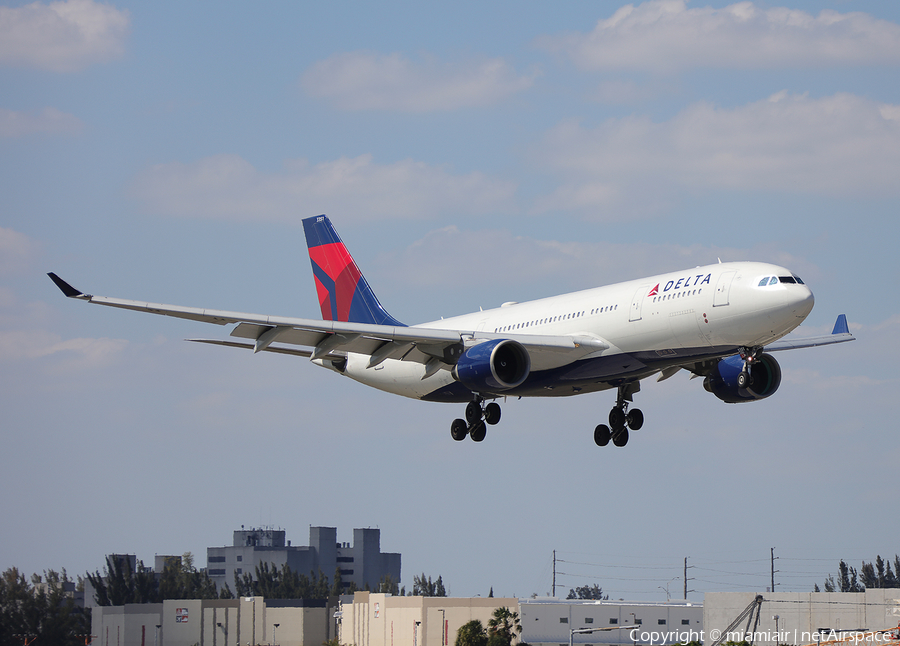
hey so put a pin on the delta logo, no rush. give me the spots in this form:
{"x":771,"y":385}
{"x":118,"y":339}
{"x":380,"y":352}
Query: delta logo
{"x":689,"y":281}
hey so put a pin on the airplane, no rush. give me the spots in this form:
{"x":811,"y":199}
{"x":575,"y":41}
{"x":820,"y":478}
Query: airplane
{"x":719,"y":322}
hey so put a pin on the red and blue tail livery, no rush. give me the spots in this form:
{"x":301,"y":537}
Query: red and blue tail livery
{"x":343,"y":292}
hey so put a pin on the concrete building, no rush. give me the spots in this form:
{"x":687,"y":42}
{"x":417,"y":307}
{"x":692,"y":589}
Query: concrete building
{"x":249,"y":620}
{"x":368,"y":619}
{"x":549,"y":622}
{"x":362,"y":563}
{"x":806,"y":617}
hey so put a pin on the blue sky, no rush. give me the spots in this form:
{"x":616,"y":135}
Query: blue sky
{"x":468,"y":155}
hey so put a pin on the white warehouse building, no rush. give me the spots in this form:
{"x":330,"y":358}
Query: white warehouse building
{"x":549,"y":622}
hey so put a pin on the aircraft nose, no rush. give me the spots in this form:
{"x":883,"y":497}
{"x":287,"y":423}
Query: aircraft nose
{"x":803,"y":301}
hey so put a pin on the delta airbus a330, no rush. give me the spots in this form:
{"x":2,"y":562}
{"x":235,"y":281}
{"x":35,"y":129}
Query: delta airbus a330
{"x":718,"y":322}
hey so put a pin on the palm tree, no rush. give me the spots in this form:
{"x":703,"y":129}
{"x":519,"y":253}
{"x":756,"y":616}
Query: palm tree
{"x":505,"y":624}
{"x":471,"y":634}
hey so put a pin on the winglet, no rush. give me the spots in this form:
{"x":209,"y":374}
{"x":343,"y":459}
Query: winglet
{"x":840,"y":326}
{"x":67,"y":289}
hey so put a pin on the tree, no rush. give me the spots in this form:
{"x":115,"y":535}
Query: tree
{"x":181,"y":580}
{"x":272,"y":583}
{"x":588,"y":592}
{"x":471,"y":634}
{"x":226,"y":593}
{"x":848,"y":578}
{"x":387,"y":585}
{"x":425,"y":587}
{"x":504,"y":627}
{"x":879,"y":574}
{"x":123,"y":583}
{"x":43,"y":608}
{"x":871,"y":575}
{"x":337,"y":586}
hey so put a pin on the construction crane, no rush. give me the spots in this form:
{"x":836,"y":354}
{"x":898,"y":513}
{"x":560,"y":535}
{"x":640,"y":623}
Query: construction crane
{"x":748,"y":614}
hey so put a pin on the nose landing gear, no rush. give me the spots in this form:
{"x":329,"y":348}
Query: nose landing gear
{"x":620,"y":418}
{"x":478,"y":415}
{"x":750,"y":357}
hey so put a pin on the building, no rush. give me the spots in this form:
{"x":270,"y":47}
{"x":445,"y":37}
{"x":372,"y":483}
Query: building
{"x":550,"y":621}
{"x":805,"y":617}
{"x":369,"y":619}
{"x":362,"y":563}
{"x":376,"y":619}
{"x":179,"y":622}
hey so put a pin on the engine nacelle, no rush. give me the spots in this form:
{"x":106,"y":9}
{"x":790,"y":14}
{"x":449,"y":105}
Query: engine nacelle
{"x":765,"y":374}
{"x":493,"y":366}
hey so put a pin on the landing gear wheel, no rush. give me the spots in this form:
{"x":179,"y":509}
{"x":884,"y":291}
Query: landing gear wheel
{"x":459,"y":429}
{"x":616,"y":418}
{"x":602,"y":435}
{"x":620,"y":438}
{"x":744,"y":380}
{"x":473,"y":412}
{"x":492,"y":413}
{"x":478,"y":431}
{"x":635,"y":419}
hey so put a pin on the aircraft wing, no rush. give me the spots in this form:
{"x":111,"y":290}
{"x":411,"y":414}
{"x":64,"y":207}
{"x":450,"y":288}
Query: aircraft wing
{"x":840,"y":334}
{"x":332,"y":339}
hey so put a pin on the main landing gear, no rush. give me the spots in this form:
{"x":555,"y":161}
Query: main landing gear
{"x":478,"y":414}
{"x":620,"y":418}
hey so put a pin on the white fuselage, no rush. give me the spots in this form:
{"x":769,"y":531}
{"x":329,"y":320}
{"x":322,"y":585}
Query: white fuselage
{"x":649,"y":324}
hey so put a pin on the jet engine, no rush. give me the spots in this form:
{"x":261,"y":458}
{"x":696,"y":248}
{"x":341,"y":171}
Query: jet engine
{"x":493,"y":366}
{"x":765,"y":377}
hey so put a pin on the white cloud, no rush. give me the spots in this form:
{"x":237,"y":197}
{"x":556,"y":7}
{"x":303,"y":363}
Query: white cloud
{"x":16,"y":250}
{"x":227,"y":186}
{"x":78,"y":353}
{"x":664,"y":35}
{"x":47,"y":121}
{"x":370,"y":81}
{"x":62,"y":36}
{"x":837,"y":145}
{"x":24,"y":333}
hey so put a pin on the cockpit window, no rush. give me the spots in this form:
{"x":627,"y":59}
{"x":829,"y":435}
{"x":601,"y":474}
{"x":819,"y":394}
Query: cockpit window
{"x":797,"y":278}
{"x":788,"y":279}
{"x":764,"y":282}
{"x":773,"y":280}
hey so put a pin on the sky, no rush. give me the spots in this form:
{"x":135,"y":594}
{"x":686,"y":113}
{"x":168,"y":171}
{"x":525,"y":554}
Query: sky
{"x":468,"y":154}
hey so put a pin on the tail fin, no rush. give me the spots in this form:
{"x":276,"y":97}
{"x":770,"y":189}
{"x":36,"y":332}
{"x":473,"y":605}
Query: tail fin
{"x":344,"y":294}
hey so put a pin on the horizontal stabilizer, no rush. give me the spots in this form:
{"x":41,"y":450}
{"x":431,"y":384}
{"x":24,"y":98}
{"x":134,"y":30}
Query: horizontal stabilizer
{"x":251,"y":346}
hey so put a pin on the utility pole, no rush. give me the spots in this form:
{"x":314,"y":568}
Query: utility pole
{"x":686,"y":579}
{"x":772,"y":553}
{"x":554,"y":574}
